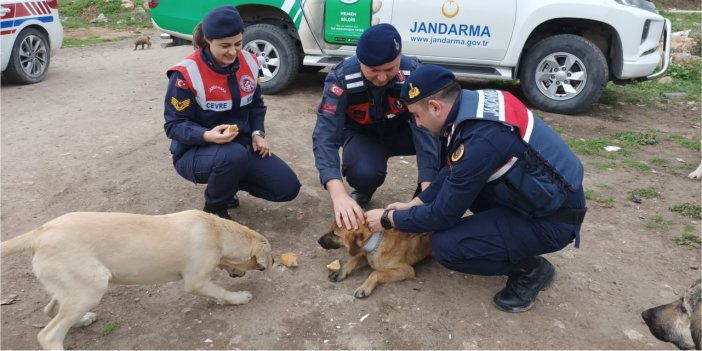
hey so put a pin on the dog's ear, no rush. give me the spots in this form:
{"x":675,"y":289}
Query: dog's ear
{"x":362,"y":234}
{"x":263,"y":255}
{"x":696,"y":325}
{"x":693,"y":299}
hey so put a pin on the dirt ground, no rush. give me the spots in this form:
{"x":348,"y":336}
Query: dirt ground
{"x":90,"y":138}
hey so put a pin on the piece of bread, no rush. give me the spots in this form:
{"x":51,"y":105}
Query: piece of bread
{"x":334,"y":266}
{"x":288,"y":259}
{"x":233,"y":128}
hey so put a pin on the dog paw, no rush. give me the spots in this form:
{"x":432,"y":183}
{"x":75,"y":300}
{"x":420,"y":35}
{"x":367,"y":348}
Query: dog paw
{"x":360,"y":293}
{"x":337,"y":276}
{"x":239,"y":298}
{"x":86,"y":320}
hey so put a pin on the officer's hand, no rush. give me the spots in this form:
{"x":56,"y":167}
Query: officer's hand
{"x":400,"y":205}
{"x":260,"y":145}
{"x":347,"y":211}
{"x":373,"y":220}
{"x":219,"y":134}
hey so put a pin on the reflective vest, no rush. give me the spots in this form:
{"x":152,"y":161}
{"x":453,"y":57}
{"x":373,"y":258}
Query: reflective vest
{"x":537,"y":182}
{"x":211,"y":89}
{"x":360,"y":100}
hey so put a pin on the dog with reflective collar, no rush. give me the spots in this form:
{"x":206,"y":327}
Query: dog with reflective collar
{"x":390,"y":254}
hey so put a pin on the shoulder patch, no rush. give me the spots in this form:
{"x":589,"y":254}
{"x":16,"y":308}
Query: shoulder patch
{"x":180,"y":105}
{"x":457,"y":154}
{"x":180,"y":83}
{"x":246,"y":83}
{"x":336,"y":90}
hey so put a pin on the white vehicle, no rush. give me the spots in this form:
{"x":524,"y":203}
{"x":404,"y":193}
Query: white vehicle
{"x":563,"y":52}
{"x":31,"y":32}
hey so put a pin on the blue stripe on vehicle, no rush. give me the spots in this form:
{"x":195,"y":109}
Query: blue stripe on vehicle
{"x":45,"y":19}
{"x":6,"y":24}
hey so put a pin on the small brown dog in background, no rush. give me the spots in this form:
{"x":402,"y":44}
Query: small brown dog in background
{"x":679,"y":322}
{"x":390,"y":254}
{"x":142,"y":40}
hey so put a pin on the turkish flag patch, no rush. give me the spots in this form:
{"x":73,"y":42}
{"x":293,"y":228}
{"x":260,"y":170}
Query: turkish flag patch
{"x":336,"y":90}
{"x":180,"y":83}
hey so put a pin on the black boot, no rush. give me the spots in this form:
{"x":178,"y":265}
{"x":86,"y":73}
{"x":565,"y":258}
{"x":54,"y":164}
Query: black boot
{"x":218,"y":209}
{"x":360,"y":198}
{"x":526,"y":280}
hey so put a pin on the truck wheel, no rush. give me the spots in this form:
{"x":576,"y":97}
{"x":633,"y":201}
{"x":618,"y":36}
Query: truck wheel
{"x":30,"y":57}
{"x":564,"y":73}
{"x":276,"y":53}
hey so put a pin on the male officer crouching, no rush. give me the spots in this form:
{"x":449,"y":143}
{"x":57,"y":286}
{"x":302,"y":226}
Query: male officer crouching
{"x":519,"y":179}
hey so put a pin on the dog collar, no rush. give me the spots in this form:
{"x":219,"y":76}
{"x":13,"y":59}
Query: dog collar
{"x":373,"y":242}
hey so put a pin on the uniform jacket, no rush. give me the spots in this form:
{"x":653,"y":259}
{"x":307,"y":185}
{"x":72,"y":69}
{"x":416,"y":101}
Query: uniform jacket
{"x":350,"y":104}
{"x":492,"y":143}
{"x":202,"y":95}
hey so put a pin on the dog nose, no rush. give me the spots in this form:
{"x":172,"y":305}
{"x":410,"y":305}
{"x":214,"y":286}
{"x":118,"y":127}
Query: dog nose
{"x":646,"y":315}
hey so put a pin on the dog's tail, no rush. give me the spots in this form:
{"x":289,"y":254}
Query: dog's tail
{"x":18,"y":244}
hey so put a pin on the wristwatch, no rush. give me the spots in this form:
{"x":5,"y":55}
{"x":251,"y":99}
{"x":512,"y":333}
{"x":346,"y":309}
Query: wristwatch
{"x":258,"y":132}
{"x":385,"y":221}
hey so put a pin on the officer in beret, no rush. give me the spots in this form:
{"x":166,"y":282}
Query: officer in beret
{"x":361,"y":109}
{"x":519,"y":179}
{"x":214,"y":117}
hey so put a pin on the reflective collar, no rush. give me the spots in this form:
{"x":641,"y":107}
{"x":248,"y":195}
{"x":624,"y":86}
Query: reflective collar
{"x":373,"y":242}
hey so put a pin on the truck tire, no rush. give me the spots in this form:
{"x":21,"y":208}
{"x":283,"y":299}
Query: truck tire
{"x":277,"y":55}
{"x":30,"y":58}
{"x":564,"y":74}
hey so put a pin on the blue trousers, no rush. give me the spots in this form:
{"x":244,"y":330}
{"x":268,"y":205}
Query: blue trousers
{"x":365,"y":158}
{"x":228,"y":168}
{"x":490,"y":242}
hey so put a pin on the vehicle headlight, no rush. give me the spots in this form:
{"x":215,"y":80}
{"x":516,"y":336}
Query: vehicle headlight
{"x":642,"y":4}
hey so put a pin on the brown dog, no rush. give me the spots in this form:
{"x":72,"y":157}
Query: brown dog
{"x":77,"y":255}
{"x":679,"y":322}
{"x":143,"y":40}
{"x":391,"y":254}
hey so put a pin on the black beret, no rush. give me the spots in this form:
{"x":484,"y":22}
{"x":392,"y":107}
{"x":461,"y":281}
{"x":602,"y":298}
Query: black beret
{"x":222,"y":22}
{"x":378,"y":45}
{"x":425,"y":81}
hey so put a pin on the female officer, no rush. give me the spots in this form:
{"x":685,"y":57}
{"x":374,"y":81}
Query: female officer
{"x":214,"y":117}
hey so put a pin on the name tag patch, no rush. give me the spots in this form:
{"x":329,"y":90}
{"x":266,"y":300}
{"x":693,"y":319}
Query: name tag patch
{"x":218,"y":105}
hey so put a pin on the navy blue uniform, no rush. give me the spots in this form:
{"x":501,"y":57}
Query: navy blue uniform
{"x":202,"y":95}
{"x":498,"y":234}
{"x":373,"y":124}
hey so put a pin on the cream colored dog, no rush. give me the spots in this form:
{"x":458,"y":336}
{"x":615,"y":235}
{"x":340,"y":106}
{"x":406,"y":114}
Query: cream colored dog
{"x":78,"y":254}
{"x":696,"y":174}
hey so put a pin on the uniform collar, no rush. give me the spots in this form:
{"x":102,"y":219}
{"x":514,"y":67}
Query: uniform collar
{"x":451,"y":116}
{"x":206,"y":56}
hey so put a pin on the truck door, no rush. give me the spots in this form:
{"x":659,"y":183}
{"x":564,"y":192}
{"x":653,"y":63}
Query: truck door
{"x":458,"y":31}
{"x":7,"y":30}
{"x":337,"y":24}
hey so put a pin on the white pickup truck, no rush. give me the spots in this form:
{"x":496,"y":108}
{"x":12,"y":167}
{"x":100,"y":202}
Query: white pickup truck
{"x":563,"y":52}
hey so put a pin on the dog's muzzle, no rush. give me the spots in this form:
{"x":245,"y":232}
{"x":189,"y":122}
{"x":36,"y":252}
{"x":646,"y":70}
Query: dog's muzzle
{"x":328,"y":241}
{"x":237,"y":274}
